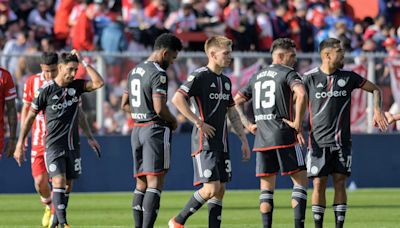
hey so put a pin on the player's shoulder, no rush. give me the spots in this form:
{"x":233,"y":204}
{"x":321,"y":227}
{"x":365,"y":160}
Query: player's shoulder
{"x":200,"y":72}
{"x":4,"y":73}
{"x":346,"y":73}
{"x":48,"y":85}
{"x":314,"y":71}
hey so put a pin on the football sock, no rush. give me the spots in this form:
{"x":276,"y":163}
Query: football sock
{"x":300,"y":195}
{"x":214,"y":213}
{"x":267,"y":196}
{"x":137,"y":208}
{"x":59,"y":201}
{"x":151,"y":204}
{"x":340,"y":213}
{"x":194,"y":204}
{"x":318,"y":214}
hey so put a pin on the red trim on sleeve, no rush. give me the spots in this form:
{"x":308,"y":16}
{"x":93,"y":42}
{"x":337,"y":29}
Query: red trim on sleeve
{"x":363,"y":82}
{"x":34,"y":110}
{"x":244,"y":96}
{"x":158,"y":95}
{"x":183,"y":92}
{"x":294,"y":84}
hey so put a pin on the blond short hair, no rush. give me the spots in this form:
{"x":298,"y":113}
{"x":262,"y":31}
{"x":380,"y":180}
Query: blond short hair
{"x":217,"y":41}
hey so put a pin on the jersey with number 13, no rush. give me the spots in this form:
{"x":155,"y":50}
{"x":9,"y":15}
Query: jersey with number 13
{"x":271,"y":92}
{"x":145,"y":81}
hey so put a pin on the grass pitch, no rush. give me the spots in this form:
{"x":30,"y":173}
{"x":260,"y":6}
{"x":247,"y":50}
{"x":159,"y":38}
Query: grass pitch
{"x":368,"y":208}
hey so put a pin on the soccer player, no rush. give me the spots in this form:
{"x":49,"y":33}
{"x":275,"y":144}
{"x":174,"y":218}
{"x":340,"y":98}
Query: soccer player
{"x":33,"y":83}
{"x":211,"y":97}
{"x":329,"y":148}
{"x":146,"y":98}
{"x":277,"y":128}
{"x":59,"y":99}
{"x":7,"y":100}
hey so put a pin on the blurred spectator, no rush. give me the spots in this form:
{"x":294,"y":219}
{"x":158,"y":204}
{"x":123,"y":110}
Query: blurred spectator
{"x":183,"y":20}
{"x":279,"y":25}
{"x":113,"y":38}
{"x":301,"y":28}
{"x":357,"y":37}
{"x":157,"y":12}
{"x":82,"y":33}
{"x":40,"y":19}
{"x":374,"y":28}
{"x":265,"y":32}
{"x":6,"y":14}
{"x":341,"y":33}
{"x":61,"y":25}
{"x":337,"y":15}
{"x":12,"y":48}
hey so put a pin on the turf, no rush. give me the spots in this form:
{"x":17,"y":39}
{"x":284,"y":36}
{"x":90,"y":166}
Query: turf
{"x":367,"y":208}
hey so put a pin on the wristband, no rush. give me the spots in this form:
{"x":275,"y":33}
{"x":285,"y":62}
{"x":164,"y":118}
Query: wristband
{"x":84,"y":63}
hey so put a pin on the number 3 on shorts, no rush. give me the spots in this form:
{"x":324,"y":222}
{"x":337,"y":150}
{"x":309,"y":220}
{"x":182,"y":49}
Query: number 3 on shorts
{"x":228,"y":165}
{"x":77,"y":166}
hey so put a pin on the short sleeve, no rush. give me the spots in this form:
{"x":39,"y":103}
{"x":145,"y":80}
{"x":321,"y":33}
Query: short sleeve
{"x":191,"y":86}
{"x":39,"y":100}
{"x":80,"y":85}
{"x":304,"y":79}
{"x":358,"y":80}
{"x":231,"y":101}
{"x":247,"y":91}
{"x":159,"y":85}
{"x":292,"y":79}
{"x":9,"y":89}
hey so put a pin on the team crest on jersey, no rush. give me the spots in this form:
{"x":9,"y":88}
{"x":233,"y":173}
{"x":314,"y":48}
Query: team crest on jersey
{"x":227,"y":86}
{"x":36,"y":94}
{"x":163,"y":79}
{"x":190,"y":78}
{"x":341,"y":82}
{"x":71,"y":91}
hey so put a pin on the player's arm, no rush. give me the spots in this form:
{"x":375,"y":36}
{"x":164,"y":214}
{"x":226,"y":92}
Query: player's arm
{"x":181,"y":103}
{"x":19,"y":153}
{"x":300,"y":107}
{"x":162,"y":110}
{"x":125,"y":106}
{"x":84,"y":125}
{"x":96,"y":81}
{"x":379,"y":118}
{"x":12,"y":123}
{"x":237,"y":125}
{"x":239,"y":104}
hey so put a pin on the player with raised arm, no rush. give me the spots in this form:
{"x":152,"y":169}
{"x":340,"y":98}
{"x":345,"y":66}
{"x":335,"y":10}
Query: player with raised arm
{"x":209,"y":91}
{"x":48,"y":65}
{"x":146,"y":100}
{"x":59,"y":99}
{"x":277,"y":128}
{"x":329,"y":148}
{"x":8,"y":94}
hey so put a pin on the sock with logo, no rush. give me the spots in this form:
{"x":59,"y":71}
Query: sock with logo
{"x":267,"y":196}
{"x":151,"y":204}
{"x":300,"y":195}
{"x":318,"y":214}
{"x":137,"y":208}
{"x":214,"y":213}
{"x":194,"y":204}
{"x":59,"y":201}
{"x":340,"y":213}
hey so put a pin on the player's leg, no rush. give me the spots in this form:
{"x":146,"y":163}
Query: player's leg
{"x":156,"y":159}
{"x":318,"y":168}
{"x":341,"y":170}
{"x":292,"y":162}
{"x":137,"y":201}
{"x":267,"y":166}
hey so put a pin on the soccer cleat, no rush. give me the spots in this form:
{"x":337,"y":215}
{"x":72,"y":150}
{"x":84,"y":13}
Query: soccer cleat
{"x":173,"y":224}
{"x":46,"y":217}
{"x":52,"y":223}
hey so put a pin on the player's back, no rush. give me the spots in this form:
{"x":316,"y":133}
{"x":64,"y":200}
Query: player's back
{"x":8,"y":92}
{"x":145,"y":81}
{"x":272,"y":97}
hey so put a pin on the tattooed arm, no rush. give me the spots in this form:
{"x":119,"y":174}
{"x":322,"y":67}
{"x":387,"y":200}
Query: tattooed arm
{"x":237,"y":125}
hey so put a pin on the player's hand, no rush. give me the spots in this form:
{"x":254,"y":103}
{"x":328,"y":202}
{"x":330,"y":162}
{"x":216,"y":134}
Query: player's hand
{"x":292,"y":124}
{"x":95,"y":146}
{"x":246,"y":151}
{"x":174,"y":125}
{"x":300,"y":139}
{"x":77,"y":53}
{"x":19,"y":154}
{"x":380,"y":121}
{"x":252,"y":128}
{"x":389,"y":117}
{"x":10,"y":148}
{"x":206,"y":129}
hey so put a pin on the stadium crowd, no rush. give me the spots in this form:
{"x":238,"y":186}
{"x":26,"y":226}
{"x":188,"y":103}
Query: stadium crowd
{"x":28,"y":27}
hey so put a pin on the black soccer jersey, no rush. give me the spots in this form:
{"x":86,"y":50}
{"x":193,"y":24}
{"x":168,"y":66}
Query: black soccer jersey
{"x":145,"y":81}
{"x":210,"y":96}
{"x":60,"y":105}
{"x":271,"y":93}
{"x":329,"y":103}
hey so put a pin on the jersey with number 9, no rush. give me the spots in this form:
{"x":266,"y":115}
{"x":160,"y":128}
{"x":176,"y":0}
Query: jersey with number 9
{"x":271,"y":92}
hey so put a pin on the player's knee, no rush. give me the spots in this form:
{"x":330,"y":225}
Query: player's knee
{"x":319,"y":184}
{"x":265,"y":207}
{"x":339,"y":183}
{"x":294,"y":203}
{"x":211,"y":190}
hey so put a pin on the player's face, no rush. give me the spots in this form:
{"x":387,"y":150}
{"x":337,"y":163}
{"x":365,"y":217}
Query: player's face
{"x":337,"y":56}
{"x":289,"y":57}
{"x":222,"y":56}
{"x":68,"y":71}
{"x":169,"y":57}
{"x":49,"y":71}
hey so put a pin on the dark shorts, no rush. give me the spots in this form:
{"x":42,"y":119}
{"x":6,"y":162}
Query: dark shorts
{"x":211,"y":166}
{"x":322,"y":161}
{"x":66,"y":162}
{"x":151,"y":150}
{"x":289,"y":160}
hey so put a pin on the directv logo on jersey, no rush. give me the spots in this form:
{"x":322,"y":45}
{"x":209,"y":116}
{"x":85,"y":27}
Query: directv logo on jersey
{"x":320,"y":95}
{"x":139,"y":116}
{"x":219,"y":96}
{"x":65,"y":104}
{"x":265,"y":117}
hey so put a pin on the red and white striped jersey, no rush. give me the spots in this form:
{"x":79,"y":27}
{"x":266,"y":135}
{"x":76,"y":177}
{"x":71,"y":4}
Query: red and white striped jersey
{"x":7,"y":92}
{"x":32,"y":84}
